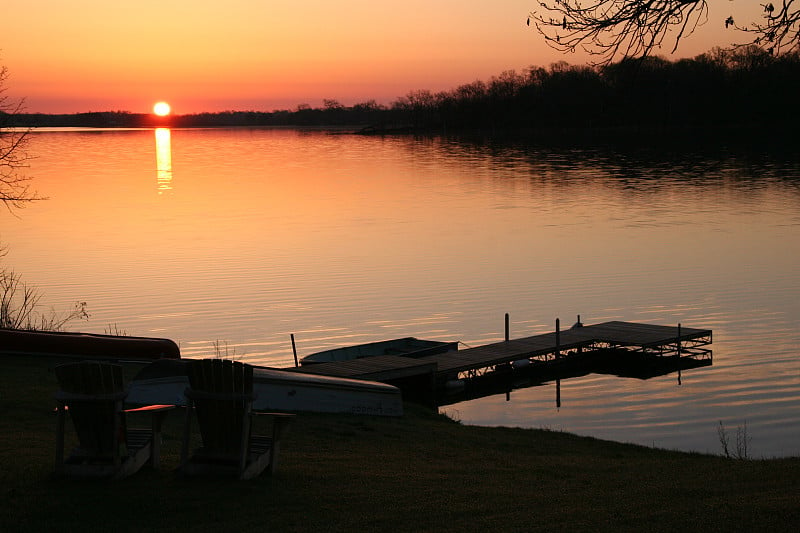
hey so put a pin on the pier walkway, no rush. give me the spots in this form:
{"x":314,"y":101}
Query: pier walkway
{"x":646,"y":339}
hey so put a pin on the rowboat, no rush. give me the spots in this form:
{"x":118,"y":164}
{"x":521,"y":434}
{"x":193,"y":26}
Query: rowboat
{"x":21,"y":342}
{"x":164,"y":382}
{"x":406,"y":347}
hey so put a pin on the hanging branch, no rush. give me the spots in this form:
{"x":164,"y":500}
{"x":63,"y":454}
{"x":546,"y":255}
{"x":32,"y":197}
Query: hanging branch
{"x":15,"y":188}
{"x":610,"y":29}
{"x":778,"y":32}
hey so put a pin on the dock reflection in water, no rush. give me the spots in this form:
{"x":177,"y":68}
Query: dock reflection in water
{"x":620,"y":363}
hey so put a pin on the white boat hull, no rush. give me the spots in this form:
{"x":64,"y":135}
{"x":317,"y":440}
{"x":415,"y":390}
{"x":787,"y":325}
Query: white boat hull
{"x":276,"y":390}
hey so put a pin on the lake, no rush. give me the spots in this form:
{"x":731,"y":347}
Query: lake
{"x":229,"y":240}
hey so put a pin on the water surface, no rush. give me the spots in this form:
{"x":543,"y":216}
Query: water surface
{"x":242,"y":237}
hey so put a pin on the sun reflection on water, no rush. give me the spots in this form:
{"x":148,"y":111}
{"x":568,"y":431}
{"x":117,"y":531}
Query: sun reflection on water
{"x":163,"y":160}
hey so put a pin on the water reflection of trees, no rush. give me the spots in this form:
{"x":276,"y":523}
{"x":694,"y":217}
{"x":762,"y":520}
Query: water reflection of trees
{"x":641,"y":168}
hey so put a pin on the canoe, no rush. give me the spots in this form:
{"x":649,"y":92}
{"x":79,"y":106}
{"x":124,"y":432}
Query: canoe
{"x":406,"y":347}
{"x":164,"y":382}
{"x":14,"y":341}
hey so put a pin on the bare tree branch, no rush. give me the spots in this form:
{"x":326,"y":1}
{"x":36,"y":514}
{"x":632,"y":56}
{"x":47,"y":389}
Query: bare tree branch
{"x":15,"y":190}
{"x":779,"y":30}
{"x":612,"y":28}
{"x":615,"y":29}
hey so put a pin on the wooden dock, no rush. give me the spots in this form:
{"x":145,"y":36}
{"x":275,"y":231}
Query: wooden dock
{"x":558,"y":346}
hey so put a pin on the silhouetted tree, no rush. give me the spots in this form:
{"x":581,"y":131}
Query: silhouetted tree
{"x":332,"y":104}
{"x":420,"y":108}
{"x":14,"y":186}
{"x":611,"y":29}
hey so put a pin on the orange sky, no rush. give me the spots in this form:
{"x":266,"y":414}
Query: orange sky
{"x":68,"y":56}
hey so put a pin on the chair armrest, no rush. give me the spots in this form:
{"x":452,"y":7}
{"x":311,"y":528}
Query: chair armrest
{"x":277,"y":415}
{"x":193,"y":394}
{"x":150,"y":408}
{"x":62,"y":396}
{"x":279,"y":422}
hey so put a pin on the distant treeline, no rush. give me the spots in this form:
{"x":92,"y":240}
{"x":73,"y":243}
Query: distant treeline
{"x":717,"y":91}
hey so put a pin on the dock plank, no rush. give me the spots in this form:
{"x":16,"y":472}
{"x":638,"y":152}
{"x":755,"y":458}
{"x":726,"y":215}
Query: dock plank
{"x":615,"y":333}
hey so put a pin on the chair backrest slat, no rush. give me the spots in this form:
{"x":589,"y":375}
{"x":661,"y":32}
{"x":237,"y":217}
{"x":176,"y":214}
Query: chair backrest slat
{"x":221,"y":410}
{"x":94,"y":421}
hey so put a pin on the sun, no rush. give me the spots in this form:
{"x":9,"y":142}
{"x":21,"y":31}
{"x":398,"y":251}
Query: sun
{"x":161,"y":109}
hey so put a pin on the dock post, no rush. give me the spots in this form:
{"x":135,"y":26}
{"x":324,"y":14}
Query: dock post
{"x":558,"y":338}
{"x":507,"y":327}
{"x":558,"y":393}
{"x":294,"y":351}
{"x":679,"y":353}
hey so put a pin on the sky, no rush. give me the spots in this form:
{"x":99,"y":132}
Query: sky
{"x":70,"y":56}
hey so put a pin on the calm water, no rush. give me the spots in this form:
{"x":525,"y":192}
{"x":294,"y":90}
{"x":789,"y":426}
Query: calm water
{"x":246,"y":236}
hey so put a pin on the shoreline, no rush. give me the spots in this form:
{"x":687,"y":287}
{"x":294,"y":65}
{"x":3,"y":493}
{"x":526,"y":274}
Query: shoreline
{"x":420,"y":472}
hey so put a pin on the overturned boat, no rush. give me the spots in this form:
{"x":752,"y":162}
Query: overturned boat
{"x":57,"y":343}
{"x":405,"y":347}
{"x":164,"y":382}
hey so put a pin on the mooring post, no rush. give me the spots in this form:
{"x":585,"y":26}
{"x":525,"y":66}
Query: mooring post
{"x":558,"y":338}
{"x":679,"y":353}
{"x":507,"y":327}
{"x":294,"y":351}
{"x":558,"y":393}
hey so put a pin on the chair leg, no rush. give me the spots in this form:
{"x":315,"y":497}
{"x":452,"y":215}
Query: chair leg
{"x":244,"y":449}
{"x":156,"y":421}
{"x":60,"y":439}
{"x":278,"y":427}
{"x":187,"y":433}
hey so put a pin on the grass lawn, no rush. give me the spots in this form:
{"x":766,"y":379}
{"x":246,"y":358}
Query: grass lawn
{"x":421,"y":472}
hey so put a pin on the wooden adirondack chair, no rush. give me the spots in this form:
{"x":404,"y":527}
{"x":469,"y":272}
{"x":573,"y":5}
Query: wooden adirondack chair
{"x":93,"y":394}
{"x":221,"y":393}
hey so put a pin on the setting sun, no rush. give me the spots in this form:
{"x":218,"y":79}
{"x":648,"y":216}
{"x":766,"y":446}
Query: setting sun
{"x":161,"y":109}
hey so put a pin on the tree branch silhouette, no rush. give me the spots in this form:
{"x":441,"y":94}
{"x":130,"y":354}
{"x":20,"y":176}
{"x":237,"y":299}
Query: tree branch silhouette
{"x":611,"y":29}
{"x":15,"y":190}
{"x":779,"y":30}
